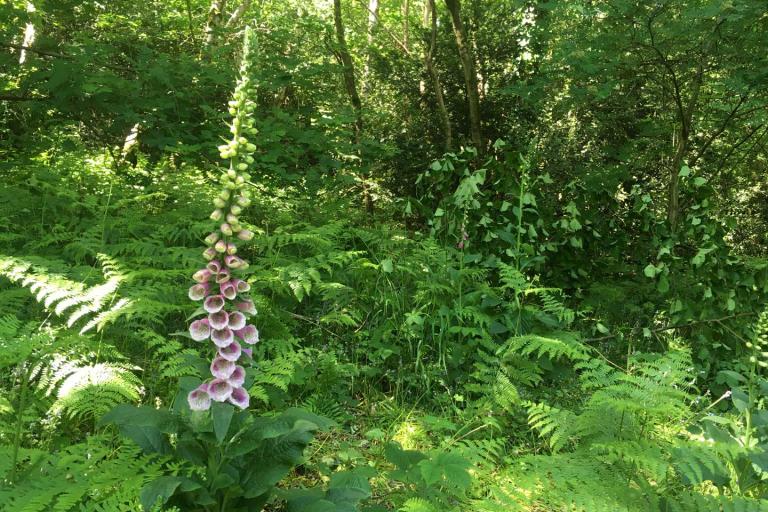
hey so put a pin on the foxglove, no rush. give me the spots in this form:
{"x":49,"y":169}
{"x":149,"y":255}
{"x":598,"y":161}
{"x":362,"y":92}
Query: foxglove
{"x":225,"y":304}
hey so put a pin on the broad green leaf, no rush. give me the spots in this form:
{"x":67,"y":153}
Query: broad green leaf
{"x":222,"y":416}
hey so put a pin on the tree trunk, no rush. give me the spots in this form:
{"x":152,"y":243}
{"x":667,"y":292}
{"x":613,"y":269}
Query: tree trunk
{"x":682,"y":144}
{"x":348,"y":70}
{"x":429,"y":64}
{"x":373,"y":18}
{"x":215,"y":15}
{"x":470,"y":74}
{"x":238,"y":13}
{"x":406,"y":28}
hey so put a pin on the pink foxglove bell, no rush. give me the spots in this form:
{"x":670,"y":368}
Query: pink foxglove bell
{"x":199,"y":399}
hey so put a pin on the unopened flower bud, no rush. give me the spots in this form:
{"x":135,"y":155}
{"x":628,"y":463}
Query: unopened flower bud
{"x":217,"y":214}
{"x":243,"y":201}
{"x":241,"y":167}
{"x":209,"y":253}
{"x":236,"y":210}
{"x":224,"y":195}
{"x":231,"y":248}
{"x":226,"y":229}
{"x":246,"y":235}
{"x":212,"y":238}
{"x":250,"y":147}
{"x":219,"y":202}
{"x":221,"y":246}
{"x":232,"y":219}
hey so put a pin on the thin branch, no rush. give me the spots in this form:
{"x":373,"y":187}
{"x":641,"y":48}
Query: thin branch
{"x":736,"y":146}
{"x":56,"y":55}
{"x":677,"y":326}
{"x":677,"y":95}
{"x":33,"y":50}
{"x":720,"y":130}
{"x":10,"y":97}
{"x":313,"y":322}
{"x":385,"y":29}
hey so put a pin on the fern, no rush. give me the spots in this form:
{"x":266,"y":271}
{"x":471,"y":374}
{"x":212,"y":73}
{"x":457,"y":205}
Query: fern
{"x":563,"y":482}
{"x":86,"y":476}
{"x":92,"y":390}
{"x":554,"y":345}
{"x":417,"y":505}
{"x":694,"y":502}
{"x":62,"y":295}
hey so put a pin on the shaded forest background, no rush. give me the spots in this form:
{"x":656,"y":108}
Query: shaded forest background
{"x":516,"y":251}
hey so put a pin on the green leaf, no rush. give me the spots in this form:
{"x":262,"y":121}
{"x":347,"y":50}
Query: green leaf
{"x":160,"y":489}
{"x":403,"y":459}
{"x":348,"y":488}
{"x":663,"y":285}
{"x":740,"y":400}
{"x":163,"y":488}
{"x":222,"y":416}
{"x":143,"y":425}
{"x":684,"y":171}
{"x":448,"y":469}
{"x":387,"y":266}
{"x":650,"y":270}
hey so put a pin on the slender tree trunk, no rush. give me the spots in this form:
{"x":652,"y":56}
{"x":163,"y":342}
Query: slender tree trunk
{"x":425,"y":22}
{"x":348,"y":70}
{"x":238,"y":13}
{"x":470,"y":74}
{"x":215,"y":15}
{"x":406,"y":28}
{"x":682,"y":145}
{"x":373,"y":19}
{"x":430,"y":65}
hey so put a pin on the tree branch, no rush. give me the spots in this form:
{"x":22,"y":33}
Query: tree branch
{"x":57,"y":55}
{"x":715,"y":135}
{"x":677,"y":326}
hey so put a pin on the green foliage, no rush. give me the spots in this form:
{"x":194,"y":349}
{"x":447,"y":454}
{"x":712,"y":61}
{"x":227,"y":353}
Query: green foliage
{"x":559,"y":316}
{"x":92,"y":476}
{"x":277,"y":442}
